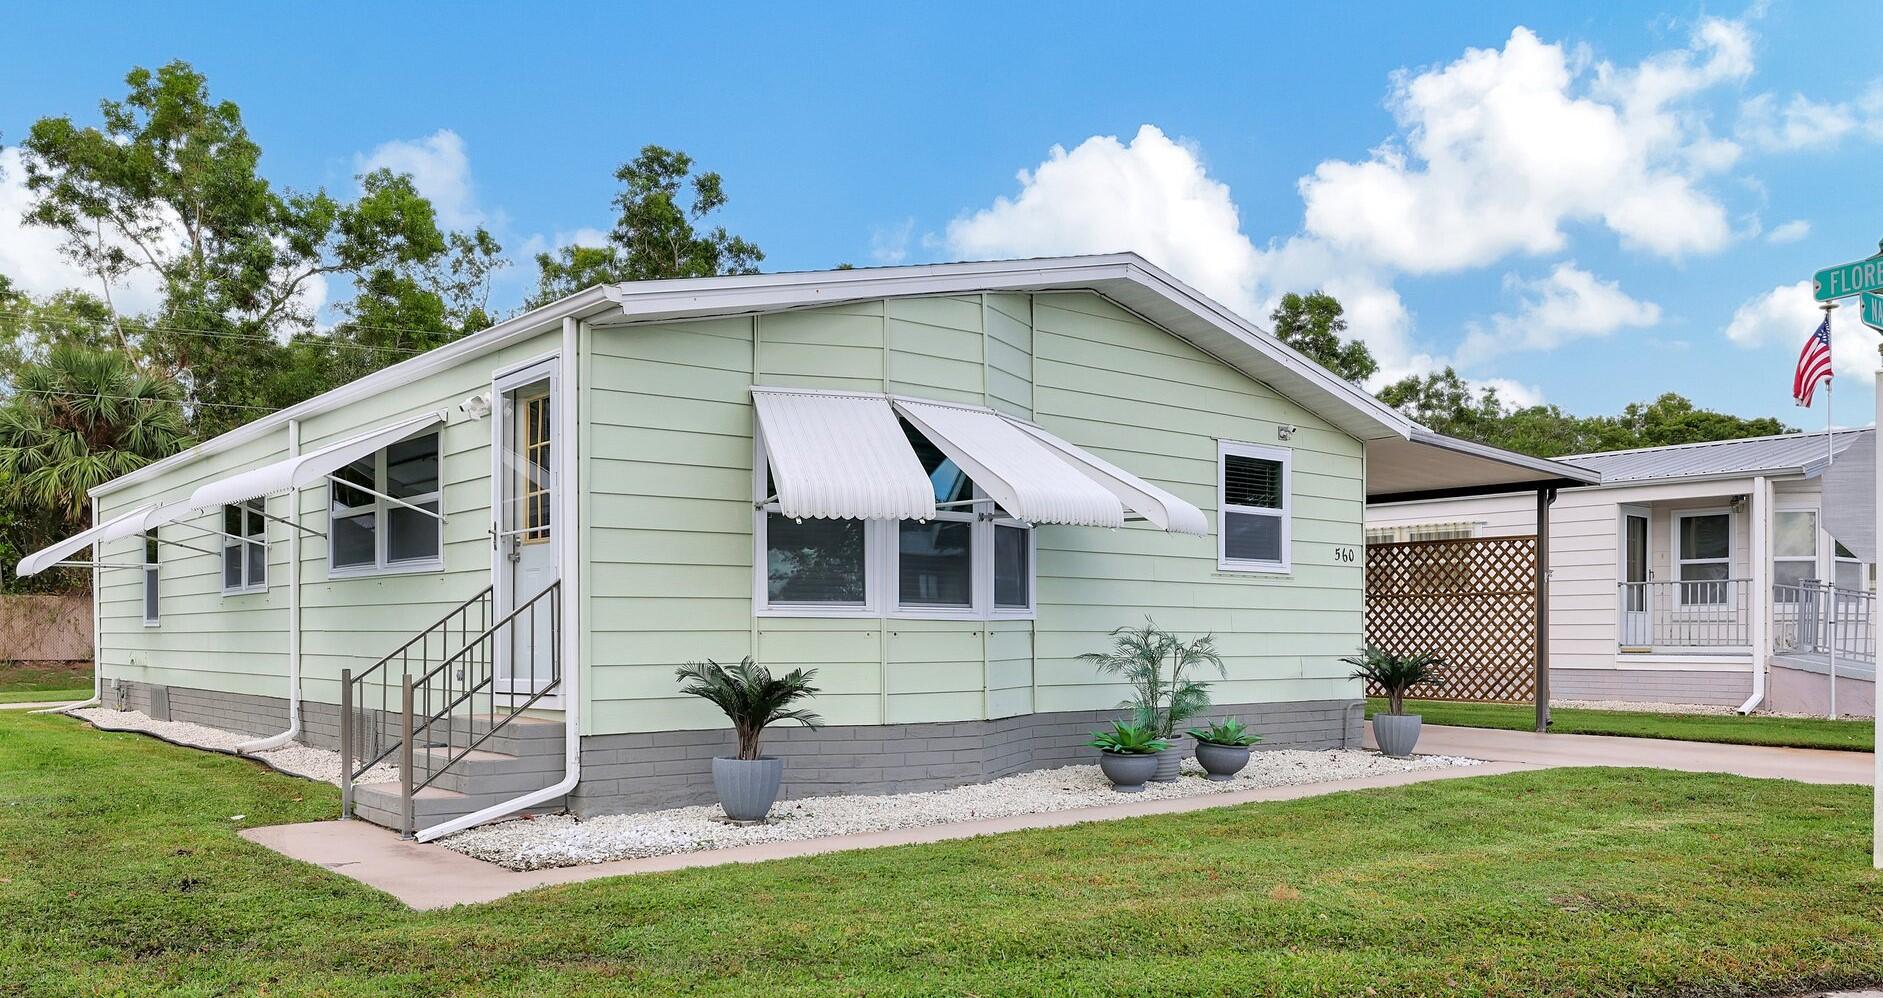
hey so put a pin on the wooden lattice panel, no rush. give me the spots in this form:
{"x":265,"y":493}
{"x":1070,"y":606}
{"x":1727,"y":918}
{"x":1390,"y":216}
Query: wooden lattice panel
{"x":1470,"y":602}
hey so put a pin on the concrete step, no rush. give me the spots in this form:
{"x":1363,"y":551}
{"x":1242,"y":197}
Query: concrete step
{"x":379,"y":804}
{"x":479,"y":772}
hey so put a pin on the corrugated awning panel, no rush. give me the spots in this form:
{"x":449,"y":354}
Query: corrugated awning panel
{"x":1028,"y":479}
{"x":124,"y":525}
{"x":1154,"y":504}
{"x":307,"y":469}
{"x":841,"y":456}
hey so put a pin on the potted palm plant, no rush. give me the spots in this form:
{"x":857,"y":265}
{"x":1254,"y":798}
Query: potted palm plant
{"x":752,"y":698}
{"x":1157,"y":664}
{"x":1222,"y":749}
{"x":1127,"y":755}
{"x":1396,"y":731}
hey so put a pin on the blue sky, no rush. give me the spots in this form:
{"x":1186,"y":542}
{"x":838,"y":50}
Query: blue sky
{"x":1590,"y":204}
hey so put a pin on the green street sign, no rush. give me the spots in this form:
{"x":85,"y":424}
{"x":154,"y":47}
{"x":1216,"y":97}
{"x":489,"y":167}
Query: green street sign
{"x":1873,"y":311}
{"x":1847,"y":279}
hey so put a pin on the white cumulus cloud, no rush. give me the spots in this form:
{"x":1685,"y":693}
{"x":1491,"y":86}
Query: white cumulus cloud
{"x":1569,"y":304}
{"x":1500,"y":148}
{"x":1789,"y":232}
{"x":441,"y":170}
{"x":1787,"y":314}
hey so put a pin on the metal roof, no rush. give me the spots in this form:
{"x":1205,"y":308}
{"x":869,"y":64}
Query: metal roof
{"x":1790,"y":453}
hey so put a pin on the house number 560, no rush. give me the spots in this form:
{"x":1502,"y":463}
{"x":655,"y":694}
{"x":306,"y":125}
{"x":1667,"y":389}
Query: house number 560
{"x":1345,"y":554}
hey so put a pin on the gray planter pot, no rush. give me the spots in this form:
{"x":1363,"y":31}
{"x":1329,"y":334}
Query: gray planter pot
{"x":747,"y":787}
{"x":1127,"y":772}
{"x":1396,"y":733}
{"x":1170,"y":761}
{"x":1222,"y":762}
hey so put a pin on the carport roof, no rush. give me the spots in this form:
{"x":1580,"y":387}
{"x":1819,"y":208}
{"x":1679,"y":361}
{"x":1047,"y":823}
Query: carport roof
{"x":1430,"y":465}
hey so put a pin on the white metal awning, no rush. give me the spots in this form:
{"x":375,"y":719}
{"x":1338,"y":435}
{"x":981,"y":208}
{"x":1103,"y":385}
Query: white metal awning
{"x":841,"y":455}
{"x":1154,"y":504}
{"x":844,"y":455}
{"x":307,"y":469}
{"x":123,"y":525}
{"x":1020,"y":473}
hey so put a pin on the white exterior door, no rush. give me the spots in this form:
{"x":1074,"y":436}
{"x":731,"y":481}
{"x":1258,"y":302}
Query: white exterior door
{"x":1636,"y":629}
{"x":525,"y":484}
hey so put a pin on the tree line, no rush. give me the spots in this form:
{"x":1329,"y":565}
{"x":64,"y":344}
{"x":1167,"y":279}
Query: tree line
{"x":167,"y":188}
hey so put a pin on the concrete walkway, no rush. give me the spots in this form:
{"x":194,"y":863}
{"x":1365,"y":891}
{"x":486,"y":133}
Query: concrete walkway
{"x":35,"y":705}
{"x":1803,"y":765}
{"x":431,"y":876}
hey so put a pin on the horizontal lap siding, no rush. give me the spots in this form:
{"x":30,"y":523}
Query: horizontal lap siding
{"x":669,"y":543}
{"x":239,"y":644}
{"x":1151,"y":403}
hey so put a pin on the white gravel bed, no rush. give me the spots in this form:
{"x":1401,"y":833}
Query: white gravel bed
{"x":293,"y":758}
{"x":562,"y":840}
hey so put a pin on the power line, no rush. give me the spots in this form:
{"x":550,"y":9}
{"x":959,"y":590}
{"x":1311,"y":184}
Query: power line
{"x":187,"y":331}
{"x":184,"y":403}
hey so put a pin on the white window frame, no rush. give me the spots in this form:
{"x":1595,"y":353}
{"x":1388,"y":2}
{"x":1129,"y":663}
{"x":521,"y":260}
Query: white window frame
{"x":999,"y":521}
{"x":1680,"y":559}
{"x":881,"y":563}
{"x":244,"y":541}
{"x":382,"y":521}
{"x":1817,"y":544}
{"x":1863,"y":567}
{"x":153,"y":575}
{"x":761,"y":559}
{"x":1283,"y":566}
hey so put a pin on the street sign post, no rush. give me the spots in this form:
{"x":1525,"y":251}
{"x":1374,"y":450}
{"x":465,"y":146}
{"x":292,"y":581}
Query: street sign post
{"x":1848,"y":279}
{"x":1873,"y":311}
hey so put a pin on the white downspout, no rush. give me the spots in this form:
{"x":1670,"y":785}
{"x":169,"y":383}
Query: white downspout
{"x":1761,"y":595}
{"x":98,"y":666}
{"x":294,"y":616}
{"x":566,"y":532}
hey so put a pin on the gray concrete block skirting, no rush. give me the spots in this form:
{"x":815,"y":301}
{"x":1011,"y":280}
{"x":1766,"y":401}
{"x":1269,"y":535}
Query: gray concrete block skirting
{"x":647,"y":771}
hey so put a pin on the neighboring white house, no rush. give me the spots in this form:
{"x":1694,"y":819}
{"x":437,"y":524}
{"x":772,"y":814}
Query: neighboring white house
{"x":1692,"y":570}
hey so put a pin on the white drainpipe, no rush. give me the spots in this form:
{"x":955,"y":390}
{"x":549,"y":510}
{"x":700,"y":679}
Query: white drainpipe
{"x":294,"y":616}
{"x":1761,"y":595}
{"x":566,"y":532}
{"x":98,"y":668}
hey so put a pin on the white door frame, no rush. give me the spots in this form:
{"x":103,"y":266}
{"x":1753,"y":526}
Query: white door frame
{"x":502,"y":433}
{"x":1644,"y":628}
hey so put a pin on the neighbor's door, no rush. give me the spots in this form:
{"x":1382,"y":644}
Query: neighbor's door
{"x":1636,"y":627}
{"x":526,"y":562}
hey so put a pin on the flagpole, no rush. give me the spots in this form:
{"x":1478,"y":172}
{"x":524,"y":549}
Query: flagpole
{"x":1824,"y":494}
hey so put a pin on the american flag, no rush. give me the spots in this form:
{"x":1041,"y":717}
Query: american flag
{"x":1814,"y":364}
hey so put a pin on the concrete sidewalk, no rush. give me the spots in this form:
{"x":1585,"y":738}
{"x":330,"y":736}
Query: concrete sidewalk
{"x":1803,"y":765}
{"x":431,"y":876}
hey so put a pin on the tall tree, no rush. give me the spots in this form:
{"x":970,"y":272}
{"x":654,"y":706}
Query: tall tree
{"x":170,"y":185}
{"x":1312,"y":324}
{"x":655,"y":234}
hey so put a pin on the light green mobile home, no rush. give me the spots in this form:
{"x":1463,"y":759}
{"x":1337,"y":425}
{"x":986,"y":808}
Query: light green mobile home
{"x":549,"y":516}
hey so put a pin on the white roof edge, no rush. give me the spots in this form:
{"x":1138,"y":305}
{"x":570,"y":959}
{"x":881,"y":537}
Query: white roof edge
{"x":518,"y":327}
{"x":699,"y":297}
{"x":645,"y":301}
{"x":1560,"y":469}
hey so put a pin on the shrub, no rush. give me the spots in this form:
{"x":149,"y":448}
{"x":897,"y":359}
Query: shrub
{"x":1160,"y":700}
{"x":1395,"y":674}
{"x":1128,"y":739}
{"x":751,"y":697}
{"x":1226,"y":732}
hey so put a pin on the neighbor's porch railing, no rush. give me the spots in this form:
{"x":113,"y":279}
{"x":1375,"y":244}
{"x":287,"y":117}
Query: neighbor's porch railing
{"x":1813,"y":617}
{"x":1715,"y":613}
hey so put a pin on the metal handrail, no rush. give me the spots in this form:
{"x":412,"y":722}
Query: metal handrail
{"x":440,"y":709}
{"x":366,"y":729}
{"x":1686,"y":613}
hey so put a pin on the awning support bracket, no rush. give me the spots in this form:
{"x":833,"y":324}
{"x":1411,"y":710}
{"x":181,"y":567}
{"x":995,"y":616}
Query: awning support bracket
{"x":395,"y":500}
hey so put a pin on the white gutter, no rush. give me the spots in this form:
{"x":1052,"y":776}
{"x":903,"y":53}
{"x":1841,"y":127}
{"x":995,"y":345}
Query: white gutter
{"x":294,"y":615}
{"x":1761,"y":590}
{"x":98,"y":669}
{"x":567,"y":535}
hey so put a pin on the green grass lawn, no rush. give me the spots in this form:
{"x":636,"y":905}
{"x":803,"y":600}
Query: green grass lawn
{"x":59,"y":678}
{"x":1857,"y":736}
{"x":121,"y":871}
{"x":34,"y":696}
